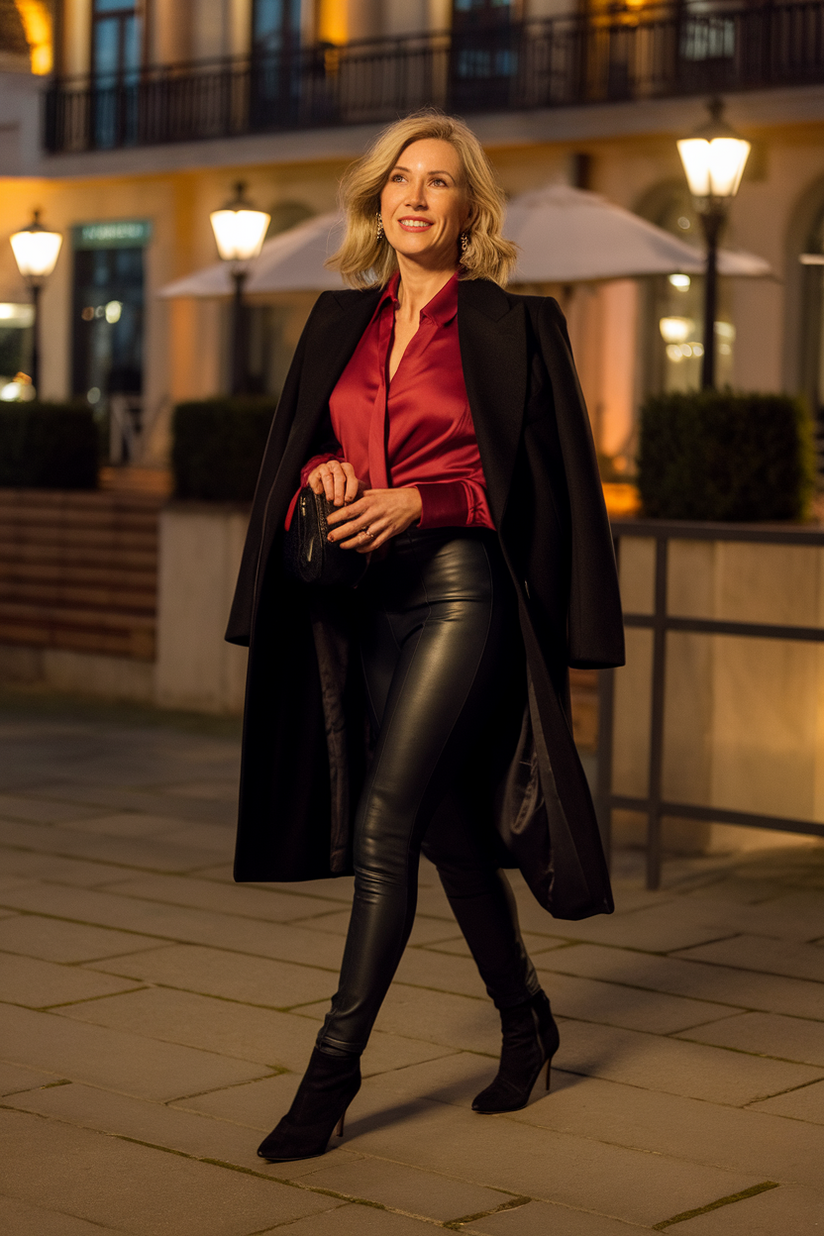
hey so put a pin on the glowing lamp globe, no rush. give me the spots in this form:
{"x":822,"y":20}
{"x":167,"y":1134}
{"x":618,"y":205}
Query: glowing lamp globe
{"x":36,"y":250}
{"x":239,"y":229}
{"x":714,"y":158}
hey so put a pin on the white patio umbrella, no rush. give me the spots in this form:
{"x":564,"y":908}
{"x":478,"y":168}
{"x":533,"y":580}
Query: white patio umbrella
{"x":565,"y":235}
{"x":290,"y":262}
{"x":570,"y":235}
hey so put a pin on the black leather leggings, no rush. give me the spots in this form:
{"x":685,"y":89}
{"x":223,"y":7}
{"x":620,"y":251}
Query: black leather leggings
{"x":438,"y":629}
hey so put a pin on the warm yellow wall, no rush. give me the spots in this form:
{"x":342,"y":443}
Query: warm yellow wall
{"x":77,"y":21}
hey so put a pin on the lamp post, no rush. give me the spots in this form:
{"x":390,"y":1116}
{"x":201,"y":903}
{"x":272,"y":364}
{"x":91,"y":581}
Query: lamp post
{"x":35,"y":251}
{"x":239,"y":231}
{"x":713,"y":159}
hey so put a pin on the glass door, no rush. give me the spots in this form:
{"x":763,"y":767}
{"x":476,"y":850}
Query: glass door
{"x":275,"y":59}
{"x":117,"y":42}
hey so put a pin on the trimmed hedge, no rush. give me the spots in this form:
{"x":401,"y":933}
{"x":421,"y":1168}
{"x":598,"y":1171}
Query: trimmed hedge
{"x":720,"y":456}
{"x":217,"y":446}
{"x":48,"y":446}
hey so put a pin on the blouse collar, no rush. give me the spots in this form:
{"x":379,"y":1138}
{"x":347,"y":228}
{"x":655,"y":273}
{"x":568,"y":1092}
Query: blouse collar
{"x":441,"y":309}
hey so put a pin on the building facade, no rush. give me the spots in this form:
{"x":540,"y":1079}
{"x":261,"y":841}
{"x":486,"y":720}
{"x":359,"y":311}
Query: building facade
{"x":125,"y":122}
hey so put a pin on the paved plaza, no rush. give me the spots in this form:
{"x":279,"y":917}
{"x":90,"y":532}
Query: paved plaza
{"x":156,"y":1019}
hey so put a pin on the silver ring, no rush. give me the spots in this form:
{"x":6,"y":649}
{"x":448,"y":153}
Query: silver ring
{"x":366,"y":532}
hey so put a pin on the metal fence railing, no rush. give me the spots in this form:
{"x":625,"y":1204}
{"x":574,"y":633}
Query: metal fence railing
{"x":661,"y":622}
{"x":622,"y":53}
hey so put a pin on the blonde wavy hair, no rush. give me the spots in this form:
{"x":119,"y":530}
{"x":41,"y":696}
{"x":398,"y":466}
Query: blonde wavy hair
{"x":364,"y":260}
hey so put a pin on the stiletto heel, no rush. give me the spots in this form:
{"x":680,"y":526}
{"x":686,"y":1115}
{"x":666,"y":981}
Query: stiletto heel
{"x":328,"y":1087}
{"x":530,"y":1040}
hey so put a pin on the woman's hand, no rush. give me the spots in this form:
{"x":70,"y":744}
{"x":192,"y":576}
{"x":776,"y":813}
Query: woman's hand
{"x":336,"y":479}
{"x":375,"y":518}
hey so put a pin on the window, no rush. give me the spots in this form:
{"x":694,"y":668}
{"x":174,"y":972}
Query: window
{"x":16,"y":338}
{"x":275,"y":25}
{"x":674,"y":307}
{"x":485,"y":52}
{"x":116,"y":40}
{"x":107,"y":338}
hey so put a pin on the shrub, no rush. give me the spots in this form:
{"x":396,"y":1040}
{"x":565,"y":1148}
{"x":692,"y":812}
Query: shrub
{"x":217,"y":447}
{"x":721,"y":456}
{"x":48,"y":446}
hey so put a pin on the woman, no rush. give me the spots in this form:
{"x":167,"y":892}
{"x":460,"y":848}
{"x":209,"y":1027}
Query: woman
{"x":443,"y":418}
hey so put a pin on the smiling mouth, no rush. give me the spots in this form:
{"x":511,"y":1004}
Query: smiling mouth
{"x":415,"y":225}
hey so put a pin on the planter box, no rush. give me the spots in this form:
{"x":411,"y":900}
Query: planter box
{"x":200,"y":549}
{"x":107,"y":594}
{"x":743,"y":717}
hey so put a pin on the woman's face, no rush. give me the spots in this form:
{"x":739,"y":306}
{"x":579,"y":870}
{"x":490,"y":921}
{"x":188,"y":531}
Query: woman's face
{"x":424,"y":204}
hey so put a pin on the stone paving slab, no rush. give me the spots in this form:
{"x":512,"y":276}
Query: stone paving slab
{"x":22,"y":1219}
{"x":60,"y":870}
{"x":153,"y":1123}
{"x":158,"y":921}
{"x":14,"y":1079}
{"x":543,"y":1219}
{"x":772,"y":1213}
{"x":405,"y":1188}
{"x":94,"y":795}
{"x":53,"y":939}
{"x":689,"y":1129}
{"x":767,"y":956}
{"x":660,"y":929}
{"x":766,"y":1034}
{"x":41,"y":984}
{"x":138,"y":1189}
{"x":806,"y":1103}
{"x":700,"y":981}
{"x":673,"y":1066}
{"x":268,"y":905}
{"x":147,"y":854}
{"x":538,"y":1163}
{"x":40,"y":811}
{"x":122,"y":1062}
{"x":126,"y":824}
{"x":232,"y":976}
{"x":231,"y":1030}
{"x":653,"y":1012}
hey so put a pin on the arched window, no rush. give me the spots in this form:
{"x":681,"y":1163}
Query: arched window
{"x":673,"y":306}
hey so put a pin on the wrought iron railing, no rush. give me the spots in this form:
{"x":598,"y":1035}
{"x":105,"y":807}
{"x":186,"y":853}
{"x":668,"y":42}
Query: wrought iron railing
{"x":622,"y":54}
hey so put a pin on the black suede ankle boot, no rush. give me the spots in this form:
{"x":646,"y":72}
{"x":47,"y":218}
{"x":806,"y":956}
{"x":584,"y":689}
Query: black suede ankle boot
{"x":328,"y":1087}
{"x":530,"y":1040}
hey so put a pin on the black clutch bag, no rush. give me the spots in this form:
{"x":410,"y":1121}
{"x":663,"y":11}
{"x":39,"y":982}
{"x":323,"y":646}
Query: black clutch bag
{"x":307,"y":555}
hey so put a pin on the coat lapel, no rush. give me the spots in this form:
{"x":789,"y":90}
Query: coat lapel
{"x":335,"y":335}
{"x":492,"y":335}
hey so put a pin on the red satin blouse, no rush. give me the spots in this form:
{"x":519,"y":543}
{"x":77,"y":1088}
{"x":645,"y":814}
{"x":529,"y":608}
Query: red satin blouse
{"x":416,"y":430}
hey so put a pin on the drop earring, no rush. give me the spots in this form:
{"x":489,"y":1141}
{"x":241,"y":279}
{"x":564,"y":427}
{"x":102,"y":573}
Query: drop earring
{"x":379,"y":228}
{"x":464,"y":242}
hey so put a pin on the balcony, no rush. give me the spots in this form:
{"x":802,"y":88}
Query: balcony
{"x":623,"y":54}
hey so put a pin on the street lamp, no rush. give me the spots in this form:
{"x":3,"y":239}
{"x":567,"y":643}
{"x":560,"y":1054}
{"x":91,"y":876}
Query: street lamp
{"x":35,"y":251}
{"x":713,"y":159}
{"x":239,"y":231}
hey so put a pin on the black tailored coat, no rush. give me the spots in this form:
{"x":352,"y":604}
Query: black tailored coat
{"x":305,"y":743}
